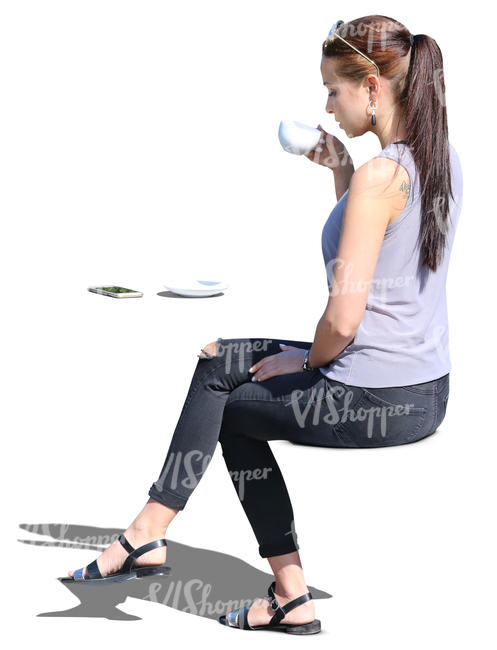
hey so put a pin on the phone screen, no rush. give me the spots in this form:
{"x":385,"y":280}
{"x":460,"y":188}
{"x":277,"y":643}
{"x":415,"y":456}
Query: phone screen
{"x":118,"y":290}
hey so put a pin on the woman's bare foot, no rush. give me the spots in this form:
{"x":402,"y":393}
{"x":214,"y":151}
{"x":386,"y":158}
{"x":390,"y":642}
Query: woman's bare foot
{"x":112,"y":559}
{"x":260,"y":612}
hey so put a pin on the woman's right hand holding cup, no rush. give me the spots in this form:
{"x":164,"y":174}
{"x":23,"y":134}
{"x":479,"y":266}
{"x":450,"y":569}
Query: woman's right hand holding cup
{"x":330,"y":152}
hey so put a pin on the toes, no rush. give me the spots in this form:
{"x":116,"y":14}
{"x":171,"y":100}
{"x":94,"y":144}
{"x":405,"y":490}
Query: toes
{"x":71,"y":573}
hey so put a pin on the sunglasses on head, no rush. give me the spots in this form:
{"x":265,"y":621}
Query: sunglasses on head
{"x":333,"y":32}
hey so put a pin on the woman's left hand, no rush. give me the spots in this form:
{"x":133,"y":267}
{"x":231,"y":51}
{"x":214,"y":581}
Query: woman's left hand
{"x":286,"y":362}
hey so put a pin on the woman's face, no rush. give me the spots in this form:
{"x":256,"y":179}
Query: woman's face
{"x":349,"y":103}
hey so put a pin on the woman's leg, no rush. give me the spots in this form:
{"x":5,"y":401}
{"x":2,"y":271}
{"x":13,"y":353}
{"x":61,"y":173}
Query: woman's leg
{"x":203,"y":422}
{"x":192,"y":446}
{"x":197,"y":431}
{"x":288,"y":407}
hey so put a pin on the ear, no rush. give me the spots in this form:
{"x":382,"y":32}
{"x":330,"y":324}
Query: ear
{"x":373,"y":86}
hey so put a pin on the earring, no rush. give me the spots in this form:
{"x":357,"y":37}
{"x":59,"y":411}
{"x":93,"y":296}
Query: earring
{"x":373,"y":117}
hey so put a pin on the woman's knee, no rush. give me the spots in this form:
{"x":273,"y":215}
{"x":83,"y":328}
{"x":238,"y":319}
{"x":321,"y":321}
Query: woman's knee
{"x":209,"y":351}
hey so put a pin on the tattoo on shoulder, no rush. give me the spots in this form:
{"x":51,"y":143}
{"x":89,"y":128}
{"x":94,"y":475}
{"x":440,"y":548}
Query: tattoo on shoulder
{"x":406,"y":188}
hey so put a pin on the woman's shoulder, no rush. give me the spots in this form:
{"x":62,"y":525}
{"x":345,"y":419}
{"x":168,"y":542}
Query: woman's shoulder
{"x":378,"y":173}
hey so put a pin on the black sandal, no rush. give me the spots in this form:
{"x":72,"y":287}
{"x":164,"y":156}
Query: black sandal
{"x":240,"y":615}
{"x":125,"y":573}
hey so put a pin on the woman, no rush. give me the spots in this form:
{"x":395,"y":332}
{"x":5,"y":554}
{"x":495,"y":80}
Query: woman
{"x":377,"y":372}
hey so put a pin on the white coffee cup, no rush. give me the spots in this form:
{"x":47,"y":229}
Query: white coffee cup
{"x":298,"y":138}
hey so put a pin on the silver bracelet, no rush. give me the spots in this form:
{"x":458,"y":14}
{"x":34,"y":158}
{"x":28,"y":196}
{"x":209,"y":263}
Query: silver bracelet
{"x":305,"y":365}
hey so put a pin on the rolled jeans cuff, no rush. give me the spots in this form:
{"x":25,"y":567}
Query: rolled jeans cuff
{"x":281,"y":547}
{"x":167,"y":498}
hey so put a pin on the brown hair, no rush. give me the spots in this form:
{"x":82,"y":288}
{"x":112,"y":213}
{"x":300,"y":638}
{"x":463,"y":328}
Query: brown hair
{"x":420,"y":90}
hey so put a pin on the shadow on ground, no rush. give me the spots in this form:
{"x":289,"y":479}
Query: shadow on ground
{"x":202,"y":582}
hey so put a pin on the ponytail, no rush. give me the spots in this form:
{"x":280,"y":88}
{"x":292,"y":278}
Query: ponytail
{"x":423,"y":99}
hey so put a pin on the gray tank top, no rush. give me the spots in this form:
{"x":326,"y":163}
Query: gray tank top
{"x":403,"y":337}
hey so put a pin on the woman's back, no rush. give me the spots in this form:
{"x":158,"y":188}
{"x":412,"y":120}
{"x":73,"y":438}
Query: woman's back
{"x":403,"y":337}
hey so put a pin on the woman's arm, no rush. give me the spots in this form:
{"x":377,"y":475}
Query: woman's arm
{"x":334,"y":156}
{"x":328,"y":343}
{"x":372,"y":200}
{"x":342,"y":175}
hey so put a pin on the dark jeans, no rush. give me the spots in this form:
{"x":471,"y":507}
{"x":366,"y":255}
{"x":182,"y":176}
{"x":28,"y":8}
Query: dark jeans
{"x":306,"y":408}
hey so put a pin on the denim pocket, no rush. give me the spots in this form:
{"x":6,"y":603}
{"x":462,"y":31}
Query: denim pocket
{"x":376,"y":422}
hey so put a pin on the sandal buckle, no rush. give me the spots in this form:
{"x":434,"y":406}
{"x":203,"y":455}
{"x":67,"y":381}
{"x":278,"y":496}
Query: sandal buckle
{"x":274,"y":604}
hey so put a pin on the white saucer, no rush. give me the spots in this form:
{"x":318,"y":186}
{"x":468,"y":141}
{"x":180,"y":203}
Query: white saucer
{"x":197,"y":287}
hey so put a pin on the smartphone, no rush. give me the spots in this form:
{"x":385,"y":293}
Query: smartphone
{"x":116,"y":292}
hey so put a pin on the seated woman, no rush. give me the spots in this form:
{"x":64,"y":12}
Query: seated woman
{"x":377,"y":371}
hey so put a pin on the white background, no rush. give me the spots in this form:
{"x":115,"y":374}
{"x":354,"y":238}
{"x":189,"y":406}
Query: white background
{"x":139,"y":140}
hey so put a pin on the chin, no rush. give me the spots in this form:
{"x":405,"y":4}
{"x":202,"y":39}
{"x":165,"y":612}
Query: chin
{"x":347,"y":131}
{"x":356,"y":133}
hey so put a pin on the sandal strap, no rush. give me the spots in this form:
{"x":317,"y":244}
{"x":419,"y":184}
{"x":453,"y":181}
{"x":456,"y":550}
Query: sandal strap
{"x":141,"y":551}
{"x":125,"y":543}
{"x":239,"y":618}
{"x":281,"y":612}
{"x":93,"y":570}
{"x":78,"y":574}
